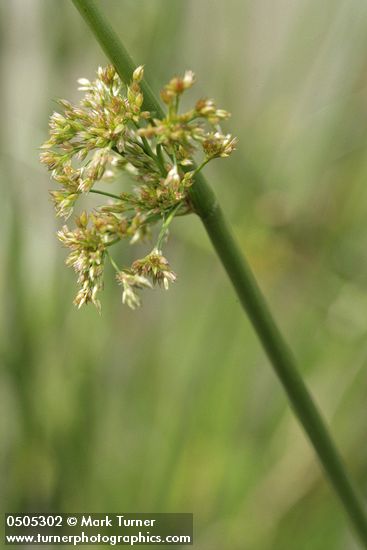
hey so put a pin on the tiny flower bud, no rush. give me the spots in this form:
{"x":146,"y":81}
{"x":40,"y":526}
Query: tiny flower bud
{"x":82,"y":220}
{"x":188,"y":79}
{"x":84,"y":84}
{"x":138,"y":74}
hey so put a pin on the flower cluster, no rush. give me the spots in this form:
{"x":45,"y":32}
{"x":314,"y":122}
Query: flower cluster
{"x":156,"y":267}
{"x":88,"y":249}
{"x":107,"y":134}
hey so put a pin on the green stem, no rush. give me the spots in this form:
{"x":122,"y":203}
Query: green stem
{"x":160,"y":155}
{"x":166,"y":224}
{"x":115,"y":241}
{"x":105,"y":193}
{"x":155,"y":157}
{"x":148,"y":150}
{"x":207,"y":207}
{"x":200,"y":167}
{"x":112,"y":261}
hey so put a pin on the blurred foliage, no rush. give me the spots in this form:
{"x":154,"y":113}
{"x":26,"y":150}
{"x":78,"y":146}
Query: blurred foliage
{"x":174,"y":407}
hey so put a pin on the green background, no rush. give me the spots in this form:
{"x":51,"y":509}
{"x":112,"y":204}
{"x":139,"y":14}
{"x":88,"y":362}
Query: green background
{"x":174,"y":408}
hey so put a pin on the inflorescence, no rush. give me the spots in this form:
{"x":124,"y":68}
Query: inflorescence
{"x":107,"y":133}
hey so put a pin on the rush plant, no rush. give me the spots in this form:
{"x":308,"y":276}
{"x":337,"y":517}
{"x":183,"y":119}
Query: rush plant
{"x":121,"y":125}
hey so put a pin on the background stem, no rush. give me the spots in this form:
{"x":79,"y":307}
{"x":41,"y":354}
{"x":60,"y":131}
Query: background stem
{"x":206,"y":206}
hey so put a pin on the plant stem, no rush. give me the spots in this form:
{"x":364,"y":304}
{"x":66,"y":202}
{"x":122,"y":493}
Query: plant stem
{"x":207,"y":207}
{"x":112,"y":261}
{"x":105,"y":193}
{"x":166,"y":224}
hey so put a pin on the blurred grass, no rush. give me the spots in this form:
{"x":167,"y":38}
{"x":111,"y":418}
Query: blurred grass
{"x":174,"y":407}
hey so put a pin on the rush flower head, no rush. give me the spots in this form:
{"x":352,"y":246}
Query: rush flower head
{"x":109,"y":133}
{"x":156,"y":267}
{"x":177,"y":86}
{"x":87,"y":259}
{"x":218,"y":145}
